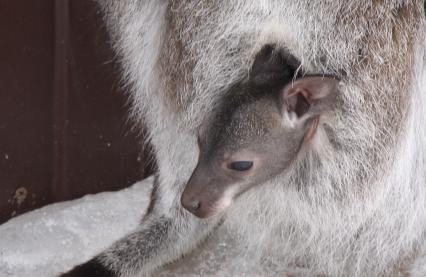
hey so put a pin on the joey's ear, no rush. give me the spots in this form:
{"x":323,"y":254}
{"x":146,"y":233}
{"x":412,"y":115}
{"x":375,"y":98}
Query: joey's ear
{"x":310,"y":96}
{"x":271,"y":66}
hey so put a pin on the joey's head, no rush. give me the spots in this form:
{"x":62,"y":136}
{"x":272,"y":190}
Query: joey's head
{"x":255,"y":133}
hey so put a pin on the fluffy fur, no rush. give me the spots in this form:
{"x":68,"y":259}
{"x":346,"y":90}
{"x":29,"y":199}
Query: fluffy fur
{"x":355,"y":202}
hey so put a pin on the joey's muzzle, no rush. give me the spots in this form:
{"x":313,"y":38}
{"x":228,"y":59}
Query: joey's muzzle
{"x":202,"y":207}
{"x":193,"y":205}
{"x":204,"y":197}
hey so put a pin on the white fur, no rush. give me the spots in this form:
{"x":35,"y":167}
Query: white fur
{"x":355,"y":209}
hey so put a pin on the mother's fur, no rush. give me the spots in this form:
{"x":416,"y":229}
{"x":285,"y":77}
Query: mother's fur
{"x":355,"y":202}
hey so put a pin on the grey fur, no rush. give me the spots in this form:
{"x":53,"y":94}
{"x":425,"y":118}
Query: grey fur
{"x":355,"y":204}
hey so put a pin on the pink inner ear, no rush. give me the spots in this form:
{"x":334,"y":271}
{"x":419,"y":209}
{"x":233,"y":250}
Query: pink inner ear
{"x":305,"y":92}
{"x":298,"y":103}
{"x":302,"y":92}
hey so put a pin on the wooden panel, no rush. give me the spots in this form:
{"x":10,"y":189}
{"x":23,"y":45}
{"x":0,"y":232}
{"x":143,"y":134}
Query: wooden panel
{"x":63,"y":130}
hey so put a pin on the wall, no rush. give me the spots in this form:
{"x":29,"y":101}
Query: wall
{"x":63,"y":126}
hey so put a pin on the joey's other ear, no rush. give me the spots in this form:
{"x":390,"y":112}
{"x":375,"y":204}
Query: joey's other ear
{"x":271,"y":66}
{"x":310,"y":96}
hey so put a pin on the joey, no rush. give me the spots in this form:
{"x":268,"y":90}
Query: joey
{"x":256,"y":133}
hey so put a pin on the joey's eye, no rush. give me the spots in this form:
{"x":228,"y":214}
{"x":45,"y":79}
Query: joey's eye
{"x":241,"y":165}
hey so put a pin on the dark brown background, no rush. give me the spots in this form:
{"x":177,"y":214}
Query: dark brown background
{"x":63,"y":130}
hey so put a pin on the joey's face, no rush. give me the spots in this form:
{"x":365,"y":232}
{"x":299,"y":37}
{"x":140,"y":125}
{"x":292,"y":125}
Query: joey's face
{"x":244,"y":149}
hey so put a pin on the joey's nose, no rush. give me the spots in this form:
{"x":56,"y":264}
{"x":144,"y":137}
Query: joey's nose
{"x":192,"y":205}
